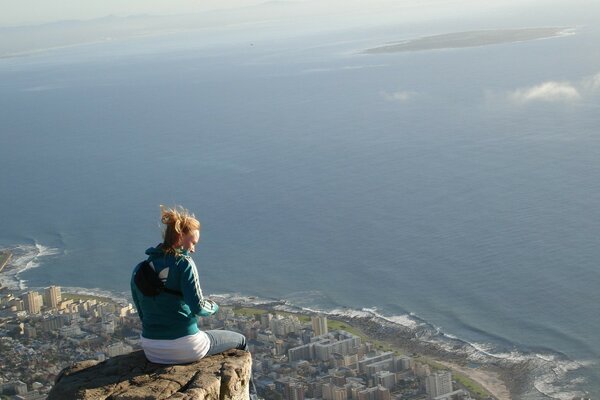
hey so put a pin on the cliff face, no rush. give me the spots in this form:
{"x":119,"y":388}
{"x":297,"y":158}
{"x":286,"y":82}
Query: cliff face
{"x":223,"y":376}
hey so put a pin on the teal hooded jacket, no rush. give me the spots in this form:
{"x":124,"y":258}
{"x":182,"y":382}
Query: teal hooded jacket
{"x":169,"y":316}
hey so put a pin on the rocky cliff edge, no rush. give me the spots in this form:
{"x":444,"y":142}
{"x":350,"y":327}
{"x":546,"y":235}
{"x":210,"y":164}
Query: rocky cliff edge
{"x":223,"y":376}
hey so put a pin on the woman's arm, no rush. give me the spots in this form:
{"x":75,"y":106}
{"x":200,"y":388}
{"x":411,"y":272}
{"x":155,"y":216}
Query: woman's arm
{"x":136,"y":301}
{"x":192,"y":293}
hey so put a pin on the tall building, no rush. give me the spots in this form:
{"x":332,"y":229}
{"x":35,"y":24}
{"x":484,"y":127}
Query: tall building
{"x":265,"y":320}
{"x":319,"y":325}
{"x":386,"y":379}
{"x":281,"y":326}
{"x":387,"y":356}
{"x":438,"y":384}
{"x":296,"y":391}
{"x":339,"y":393}
{"x":32,"y":302}
{"x":53,"y":296}
{"x":322,"y":348}
{"x":404,"y":363}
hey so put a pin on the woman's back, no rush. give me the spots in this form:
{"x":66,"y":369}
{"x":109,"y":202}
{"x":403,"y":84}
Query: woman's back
{"x":167,"y":315}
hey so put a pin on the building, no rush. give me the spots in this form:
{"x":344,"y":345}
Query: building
{"x":362,"y":365}
{"x":404,"y":363}
{"x":265,"y":320}
{"x":383,"y":365}
{"x":304,"y":352}
{"x":281,"y":326}
{"x":53,"y":296}
{"x":386,"y":379}
{"x":422,"y":370}
{"x":374,"y":393}
{"x":32,"y":302}
{"x":340,"y":342}
{"x":339,"y":393}
{"x":296,"y":391}
{"x":319,"y":325}
{"x":438,"y":384}
{"x":324,"y":347}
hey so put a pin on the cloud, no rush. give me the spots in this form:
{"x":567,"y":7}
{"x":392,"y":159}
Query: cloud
{"x":401,"y":96}
{"x":548,"y":92}
{"x":592,"y":83}
{"x":557,"y":92}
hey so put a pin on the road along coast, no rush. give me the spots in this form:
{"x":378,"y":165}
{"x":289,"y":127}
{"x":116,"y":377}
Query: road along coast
{"x":5,"y":257}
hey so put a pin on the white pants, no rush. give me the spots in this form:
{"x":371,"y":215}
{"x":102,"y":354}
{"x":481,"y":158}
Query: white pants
{"x":176,"y":351}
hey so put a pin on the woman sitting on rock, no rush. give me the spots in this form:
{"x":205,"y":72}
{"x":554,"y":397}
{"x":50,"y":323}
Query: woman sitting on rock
{"x":170,"y":333}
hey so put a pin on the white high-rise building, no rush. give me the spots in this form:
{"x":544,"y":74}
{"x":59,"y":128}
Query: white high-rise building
{"x":53,"y":296}
{"x":32,"y":302}
{"x":438,"y":384}
{"x":319,"y":325}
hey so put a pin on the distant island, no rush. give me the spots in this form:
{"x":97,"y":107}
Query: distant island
{"x":469,"y":39}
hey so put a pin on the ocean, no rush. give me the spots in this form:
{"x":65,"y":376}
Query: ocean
{"x":454,"y":188}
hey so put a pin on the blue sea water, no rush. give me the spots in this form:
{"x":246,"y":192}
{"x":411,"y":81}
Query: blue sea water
{"x":411,"y":183}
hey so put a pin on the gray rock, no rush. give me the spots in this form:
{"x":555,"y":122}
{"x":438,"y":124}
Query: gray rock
{"x":223,"y":376}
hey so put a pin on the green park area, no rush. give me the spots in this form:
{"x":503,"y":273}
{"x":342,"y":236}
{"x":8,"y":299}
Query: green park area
{"x":84,"y":297}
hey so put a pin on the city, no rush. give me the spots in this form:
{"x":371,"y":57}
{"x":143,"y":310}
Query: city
{"x":295,"y":357}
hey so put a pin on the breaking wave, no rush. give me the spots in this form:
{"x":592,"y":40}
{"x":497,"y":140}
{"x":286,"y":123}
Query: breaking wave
{"x":24,"y":258}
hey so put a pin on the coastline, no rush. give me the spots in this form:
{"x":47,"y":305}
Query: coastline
{"x":482,"y":381}
{"x":496,"y":372}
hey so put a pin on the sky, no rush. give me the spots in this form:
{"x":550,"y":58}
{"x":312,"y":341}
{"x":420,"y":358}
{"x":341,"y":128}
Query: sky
{"x":30,"y":12}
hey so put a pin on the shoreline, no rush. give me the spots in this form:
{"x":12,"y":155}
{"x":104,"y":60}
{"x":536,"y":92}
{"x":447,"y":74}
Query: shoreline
{"x":502,"y":373}
{"x":483,"y":381}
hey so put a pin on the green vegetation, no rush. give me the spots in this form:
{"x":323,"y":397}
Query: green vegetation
{"x":249,"y":312}
{"x":473,"y":387}
{"x":83,"y":297}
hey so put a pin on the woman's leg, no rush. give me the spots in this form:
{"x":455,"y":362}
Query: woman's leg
{"x":221,"y":341}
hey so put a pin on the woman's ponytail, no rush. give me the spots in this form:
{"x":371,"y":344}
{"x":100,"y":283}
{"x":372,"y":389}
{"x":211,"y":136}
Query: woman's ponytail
{"x":178,"y":222}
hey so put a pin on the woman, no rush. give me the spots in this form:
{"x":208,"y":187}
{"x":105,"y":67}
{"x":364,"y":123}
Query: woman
{"x":170,"y":333}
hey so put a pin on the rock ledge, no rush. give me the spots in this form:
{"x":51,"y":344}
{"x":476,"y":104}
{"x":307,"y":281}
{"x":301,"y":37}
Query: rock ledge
{"x":223,"y":376}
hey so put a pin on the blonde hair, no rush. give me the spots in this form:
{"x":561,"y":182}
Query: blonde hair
{"x":178,"y":222}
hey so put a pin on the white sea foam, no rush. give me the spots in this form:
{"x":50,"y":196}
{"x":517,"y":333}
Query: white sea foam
{"x":25,"y":257}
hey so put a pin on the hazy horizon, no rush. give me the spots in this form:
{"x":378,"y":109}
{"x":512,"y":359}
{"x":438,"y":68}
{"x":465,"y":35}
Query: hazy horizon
{"x":62,"y":25}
